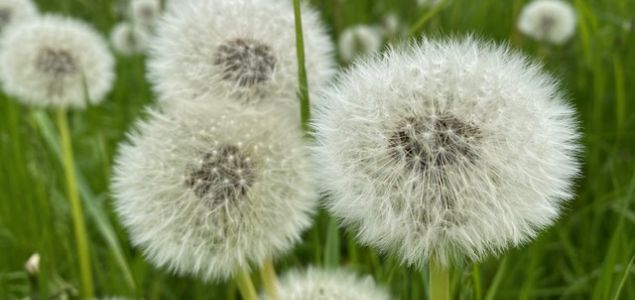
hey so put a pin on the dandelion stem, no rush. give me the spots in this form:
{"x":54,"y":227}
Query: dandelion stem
{"x":76,"y":207}
{"x":439,"y":281}
{"x":269,"y":279}
{"x":305,"y":107}
{"x":246,"y":286}
{"x":418,"y":26}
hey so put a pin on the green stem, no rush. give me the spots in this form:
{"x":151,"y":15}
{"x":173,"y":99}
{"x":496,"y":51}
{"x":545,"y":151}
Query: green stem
{"x":418,"y":26}
{"x":305,"y":107}
{"x":269,"y":279}
{"x":79,"y":224}
{"x":246,"y":286}
{"x":439,"y":282}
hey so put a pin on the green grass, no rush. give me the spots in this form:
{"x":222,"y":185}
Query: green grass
{"x":588,"y":254}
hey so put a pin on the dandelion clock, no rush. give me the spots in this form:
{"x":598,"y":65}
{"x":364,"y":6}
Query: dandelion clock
{"x":243,"y":50}
{"x":128,"y":39}
{"x":324,"y":284}
{"x":552,"y":21}
{"x":56,"y":61}
{"x":210,"y":190}
{"x":446,"y":149}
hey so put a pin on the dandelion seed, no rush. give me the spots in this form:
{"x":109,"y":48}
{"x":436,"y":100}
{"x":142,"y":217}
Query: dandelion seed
{"x":208,"y":190}
{"x":548,"y":20}
{"x":322,"y":284}
{"x":56,"y":61}
{"x":446,"y":149}
{"x":127,"y":39}
{"x":15,"y":11}
{"x":359,"y":40}
{"x":242,"y":50}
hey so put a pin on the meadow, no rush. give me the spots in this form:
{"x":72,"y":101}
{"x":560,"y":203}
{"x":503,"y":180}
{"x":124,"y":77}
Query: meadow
{"x":588,"y":254}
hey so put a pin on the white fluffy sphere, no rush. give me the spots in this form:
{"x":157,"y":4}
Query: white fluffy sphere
{"x":15,"y":11}
{"x":56,"y":61}
{"x":323,"y":284}
{"x":243,"y":50}
{"x":553,"y":21}
{"x":209,"y":190}
{"x":359,"y":40}
{"x":446,"y":149}
{"x":127,"y":39}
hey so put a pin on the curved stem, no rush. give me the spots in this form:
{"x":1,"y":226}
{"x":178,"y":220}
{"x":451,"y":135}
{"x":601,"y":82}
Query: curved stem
{"x":439,"y":282}
{"x":246,"y":286}
{"x":269,"y":279}
{"x":77,"y":213}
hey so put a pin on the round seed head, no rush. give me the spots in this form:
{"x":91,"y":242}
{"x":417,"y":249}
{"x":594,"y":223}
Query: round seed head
{"x":16,"y":11}
{"x":446,"y":149}
{"x":552,"y":21}
{"x":56,"y":61}
{"x":242,"y":50}
{"x":209,"y":190}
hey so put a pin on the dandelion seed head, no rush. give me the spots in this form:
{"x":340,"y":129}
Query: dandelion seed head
{"x":446,"y":149}
{"x":552,"y":21}
{"x":323,"y":284}
{"x":209,"y":189}
{"x":145,"y":12}
{"x":56,"y":61}
{"x":242,"y":50}
{"x":127,"y":39}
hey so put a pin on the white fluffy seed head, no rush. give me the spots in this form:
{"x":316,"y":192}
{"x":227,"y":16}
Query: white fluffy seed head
{"x":323,"y":284}
{"x":145,"y":13}
{"x":16,"y":11}
{"x":243,"y":50}
{"x":127,"y":39}
{"x":552,"y":21}
{"x":32,"y":265}
{"x":208,"y":190}
{"x":56,"y":61}
{"x":359,"y":40}
{"x":446,"y":149}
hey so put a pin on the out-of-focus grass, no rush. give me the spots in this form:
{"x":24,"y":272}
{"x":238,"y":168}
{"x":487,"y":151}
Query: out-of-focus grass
{"x":586,"y":255}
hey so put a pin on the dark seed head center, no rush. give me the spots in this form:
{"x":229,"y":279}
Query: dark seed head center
{"x":224,"y":174}
{"x":57,"y":62}
{"x":246,"y":62}
{"x":434,"y":142}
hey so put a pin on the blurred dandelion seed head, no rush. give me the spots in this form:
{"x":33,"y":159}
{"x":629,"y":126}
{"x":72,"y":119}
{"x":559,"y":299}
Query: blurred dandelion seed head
{"x":128,"y":39}
{"x":552,"y":21}
{"x":145,"y":12}
{"x":446,"y":149}
{"x":359,"y":40}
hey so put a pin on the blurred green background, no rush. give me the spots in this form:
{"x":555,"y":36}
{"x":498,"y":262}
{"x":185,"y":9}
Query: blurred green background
{"x":585,"y":255}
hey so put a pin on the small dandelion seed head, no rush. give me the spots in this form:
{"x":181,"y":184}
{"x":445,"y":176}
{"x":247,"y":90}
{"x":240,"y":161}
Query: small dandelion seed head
{"x":56,"y":61}
{"x":552,"y":21}
{"x":241,"y":50}
{"x":217,"y":201}
{"x":127,"y":39}
{"x":323,"y":284}
{"x":16,"y":11}
{"x":32,"y":265}
{"x":470,"y":155}
{"x":359,"y":40}
{"x":145,"y":12}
